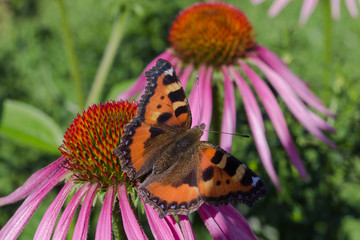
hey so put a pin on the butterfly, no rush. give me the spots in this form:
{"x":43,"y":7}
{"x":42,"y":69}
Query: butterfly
{"x":178,"y":171}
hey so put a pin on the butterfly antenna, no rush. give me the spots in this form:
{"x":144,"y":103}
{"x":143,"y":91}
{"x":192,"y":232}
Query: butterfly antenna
{"x":234,"y":134}
{"x":198,"y":92}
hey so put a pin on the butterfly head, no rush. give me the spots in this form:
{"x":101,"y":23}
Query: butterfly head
{"x":202,"y":126}
{"x":190,"y":137}
{"x":198,"y":130}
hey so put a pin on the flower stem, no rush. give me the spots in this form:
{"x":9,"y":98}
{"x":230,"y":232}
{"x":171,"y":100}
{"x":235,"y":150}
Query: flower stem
{"x":73,"y":62}
{"x":108,"y":57}
{"x":327,"y":41}
{"x":331,"y":85}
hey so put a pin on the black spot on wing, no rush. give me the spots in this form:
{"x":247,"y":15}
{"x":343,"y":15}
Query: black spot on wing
{"x":164,"y":117}
{"x":168,"y":79}
{"x":158,"y":106}
{"x":231,"y":165}
{"x":181,"y":110}
{"x":177,"y":95}
{"x":155,"y":132}
{"x":190,"y":179}
{"x":208,"y":173}
{"x":248,"y":177}
{"x":217,"y":157}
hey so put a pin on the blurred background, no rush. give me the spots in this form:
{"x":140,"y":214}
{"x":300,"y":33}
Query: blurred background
{"x":36,"y":86}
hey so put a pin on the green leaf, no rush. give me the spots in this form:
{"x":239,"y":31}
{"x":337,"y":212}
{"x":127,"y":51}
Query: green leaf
{"x":28,"y":125}
{"x":118,"y":88}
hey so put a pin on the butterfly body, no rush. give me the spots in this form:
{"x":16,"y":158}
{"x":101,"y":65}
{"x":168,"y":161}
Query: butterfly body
{"x":182,"y":146}
{"x":178,"y":171}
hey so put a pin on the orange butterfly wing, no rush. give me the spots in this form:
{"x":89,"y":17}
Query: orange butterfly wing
{"x":164,"y":101}
{"x":209,"y":175}
{"x":162,"y":113}
{"x":174,"y":191}
{"x":224,"y":179}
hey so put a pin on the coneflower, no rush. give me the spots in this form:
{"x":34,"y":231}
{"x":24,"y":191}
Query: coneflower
{"x":91,"y":174}
{"x":216,"y":37}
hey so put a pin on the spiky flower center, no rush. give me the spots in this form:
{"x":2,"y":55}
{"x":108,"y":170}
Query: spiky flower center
{"x":213,"y":33}
{"x":91,"y":138}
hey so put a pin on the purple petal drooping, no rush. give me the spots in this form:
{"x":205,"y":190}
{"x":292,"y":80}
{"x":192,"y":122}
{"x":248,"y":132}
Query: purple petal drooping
{"x":46,"y":226}
{"x":238,"y":224}
{"x":186,"y":228}
{"x":104,"y":225}
{"x":208,"y":214}
{"x":131,"y":226}
{"x":297,"y":84}
{"x":256,"y":124}
{"x":68,"y":214}
{"x":17,"y":222}
{"x":226,"y":222}
{"x":229,"y":112}
{"x":276,"y":116}
{"x":174,"y":227}
{"x":159,"y":227}
{"x":306,"y":10}
{"x":295,"y":105}
{"x":82,"y":223}
{"x":33,"y":182}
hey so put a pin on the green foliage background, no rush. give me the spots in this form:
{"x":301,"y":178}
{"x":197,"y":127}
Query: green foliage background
{"x":34,"y":69}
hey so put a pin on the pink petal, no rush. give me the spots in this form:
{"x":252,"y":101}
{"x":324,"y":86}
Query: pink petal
{"x":335,"y":8}
{"x":276,"y":116}
{"x":177,"y":64}
{"x":184,"y":78}
{"x":206,"y":107}
{"x":351,"y":6}
{"x":104,"y":226}
{"x":225,"y":222}
{"x":17,"y":222}
{"x":277,"y":6}
{"x":48,"y":221}
{"x":306,"y":10}
{"x":67,"y":216}
{"x":35,"y":181}
{"x":159,"y":227}
{"x":82,"y":224}
{"x":229,"y":113}
{"x":291,"y":100}
{"x":131,"y":225}
{"x":208,"y":215}
{"x":196,"y":97}
{"x":140,"y":83}
{"x":239,"y":225}
{"x":321,"y":123}
{"x":297,"y":84}
{"x":186,"y":227}
{"x":174,"y":227}
{"x":256,"y":124}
